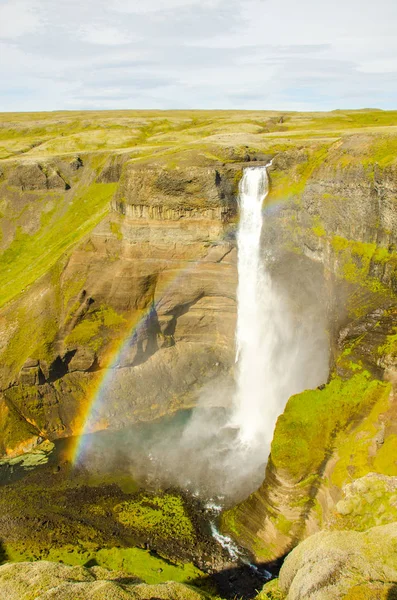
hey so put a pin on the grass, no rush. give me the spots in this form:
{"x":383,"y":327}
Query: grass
{"x":163,"y":516}
{"x":304,"y":432}
{"x":146,"y":566}
{"x":30,"y":256}
{"x":43,"y":134}
{"x":90,"y":332}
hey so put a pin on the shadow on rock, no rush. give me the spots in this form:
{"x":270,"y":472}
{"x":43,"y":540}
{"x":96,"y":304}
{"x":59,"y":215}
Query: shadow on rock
{"x":392,"y":593}
{"x":245,"y":581}
{"x":3,"y":553}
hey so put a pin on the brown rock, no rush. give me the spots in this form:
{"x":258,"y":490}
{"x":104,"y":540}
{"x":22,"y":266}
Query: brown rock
{"x":55,"y":181}
{"x":28,"y":177}
{"x":31,"y":373}
{"x":82,"y":360}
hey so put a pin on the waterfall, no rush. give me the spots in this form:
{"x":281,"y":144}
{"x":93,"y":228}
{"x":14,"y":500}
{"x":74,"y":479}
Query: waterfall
{"x":262,"y":323}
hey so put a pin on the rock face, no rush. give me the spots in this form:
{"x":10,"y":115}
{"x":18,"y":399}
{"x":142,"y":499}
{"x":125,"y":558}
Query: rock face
{"x":150,"y":293}
{"x":46,"y":581}
{"x":348,"y":564}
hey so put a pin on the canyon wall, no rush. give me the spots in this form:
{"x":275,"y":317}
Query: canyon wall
{"x":149,"y":292}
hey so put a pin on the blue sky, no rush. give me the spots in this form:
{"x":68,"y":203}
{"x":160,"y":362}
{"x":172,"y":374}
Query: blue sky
{"x":160,"y":54}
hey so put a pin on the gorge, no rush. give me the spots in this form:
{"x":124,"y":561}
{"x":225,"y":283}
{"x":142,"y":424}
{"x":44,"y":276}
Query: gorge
{"x":127,"y":268}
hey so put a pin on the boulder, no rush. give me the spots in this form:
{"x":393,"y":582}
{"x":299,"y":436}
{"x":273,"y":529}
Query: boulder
{"x":342,"y":564}
{"x":55,"y":181}
{"x":76,"y":163}
{"x":31,"y":373}
{"x":82,"y":360}
{"x":28,"y":177}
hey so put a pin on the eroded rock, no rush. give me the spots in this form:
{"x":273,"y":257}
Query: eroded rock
{"x":31,"y":373}
{"x":332,"y":565}
{"x":45,"y":580}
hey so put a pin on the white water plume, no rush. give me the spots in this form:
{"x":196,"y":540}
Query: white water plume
{"x":272,"y":347}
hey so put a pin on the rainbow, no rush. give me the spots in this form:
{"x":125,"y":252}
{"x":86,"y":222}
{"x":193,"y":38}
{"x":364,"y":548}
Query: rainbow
{"x":85,"y":421}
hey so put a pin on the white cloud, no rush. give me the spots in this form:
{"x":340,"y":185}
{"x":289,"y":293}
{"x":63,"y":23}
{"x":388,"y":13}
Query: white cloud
{"x":18,"y":17}
{"x":104,"y":35}
{"x":197,"y":53}
{"x":381,"y":65}
{"x":156,"y":6}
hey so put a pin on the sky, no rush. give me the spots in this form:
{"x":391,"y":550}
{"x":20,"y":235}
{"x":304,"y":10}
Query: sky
{"x":210,"y":54}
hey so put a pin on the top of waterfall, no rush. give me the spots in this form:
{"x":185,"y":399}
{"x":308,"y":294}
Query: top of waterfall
{"x":255,"y":182}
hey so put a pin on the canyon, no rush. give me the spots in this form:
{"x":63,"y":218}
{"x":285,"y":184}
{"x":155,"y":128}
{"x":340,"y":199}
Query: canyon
{"x":119,"y":261}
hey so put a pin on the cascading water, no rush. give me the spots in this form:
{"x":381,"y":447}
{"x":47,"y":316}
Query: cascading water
{"x":272,"y":347}
{"x":251,"y":281}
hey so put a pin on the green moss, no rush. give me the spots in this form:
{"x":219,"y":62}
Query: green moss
{"x":289,"y":184}
{"x":386,"y":458}
{"x":163,"y":515}
{"x":370,"y":502}
{"x":30,"y":256}
{"x":34,"y":335}
{"x":232,"y":524}
{"x":115,"y":229}
{"x":151,"y":569}
{"x":355,"y":450}
{"x":91,"y":330}
{"x":318,"y":230}
{"x":14,"y":429}
{"x":70,"y":289}
{"x":355,"y":260}
{"x":304,"y":432}
{"x":283,"y":524}
{"x":86,"y":333}
{"x":271,"y":591}
{"x":371,"y":591}
{"x":390,"y":345}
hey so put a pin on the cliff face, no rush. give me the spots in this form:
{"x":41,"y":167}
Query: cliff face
{"x":149,"y":292}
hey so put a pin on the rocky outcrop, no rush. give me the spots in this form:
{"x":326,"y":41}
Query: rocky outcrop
{"x":44,"y":580}
{"x":153,"y":192}
{"x":33,"y":177}
{"x":334,"y":565}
